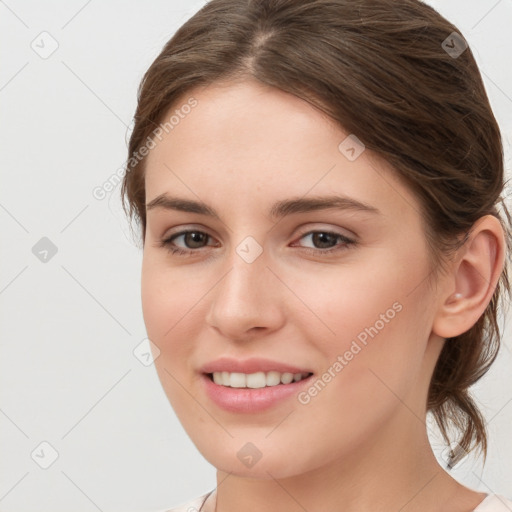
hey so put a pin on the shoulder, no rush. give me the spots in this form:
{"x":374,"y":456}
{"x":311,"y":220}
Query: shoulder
{"x":191,"y":506}
{"x":495,"y":503}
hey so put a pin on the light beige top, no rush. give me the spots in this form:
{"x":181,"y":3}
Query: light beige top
{"x":492,"y":503}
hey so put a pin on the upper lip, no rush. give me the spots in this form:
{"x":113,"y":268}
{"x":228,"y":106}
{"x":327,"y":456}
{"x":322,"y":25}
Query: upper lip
{"x":252,"y":365}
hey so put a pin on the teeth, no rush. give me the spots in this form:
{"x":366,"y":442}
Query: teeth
{"x":256,"y":380}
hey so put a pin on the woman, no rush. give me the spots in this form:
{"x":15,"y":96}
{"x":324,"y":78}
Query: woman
{"x":324,"y":241}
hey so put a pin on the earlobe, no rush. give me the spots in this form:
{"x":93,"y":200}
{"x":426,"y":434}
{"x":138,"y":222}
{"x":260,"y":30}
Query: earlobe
{"x":471,"y":284}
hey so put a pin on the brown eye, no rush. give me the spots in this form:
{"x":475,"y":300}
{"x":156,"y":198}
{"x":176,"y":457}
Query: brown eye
{"x":192,"y":239}
{"x":324,"y":242}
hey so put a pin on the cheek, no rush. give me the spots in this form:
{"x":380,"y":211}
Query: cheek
{"x":352,"y":299}
{"x":378,"y":326}
{"x":168,"y":308}
{"x":155,"y":301}
{"x":164,"y":294}
{"x":364,"y":383}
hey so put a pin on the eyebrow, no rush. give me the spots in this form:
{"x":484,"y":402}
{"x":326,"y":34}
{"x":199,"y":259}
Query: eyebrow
{"x":278,"y":210}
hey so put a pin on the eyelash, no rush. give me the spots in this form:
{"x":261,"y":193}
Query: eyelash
{"x":347,"y":242}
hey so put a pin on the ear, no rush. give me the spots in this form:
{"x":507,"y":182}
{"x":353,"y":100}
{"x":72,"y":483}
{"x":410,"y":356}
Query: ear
{"x":473,"y":279}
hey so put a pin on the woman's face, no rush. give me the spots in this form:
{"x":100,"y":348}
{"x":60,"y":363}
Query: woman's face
{"x":340,"y":292}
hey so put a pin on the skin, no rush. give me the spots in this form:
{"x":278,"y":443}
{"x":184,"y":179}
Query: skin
{"x":362,"y":441}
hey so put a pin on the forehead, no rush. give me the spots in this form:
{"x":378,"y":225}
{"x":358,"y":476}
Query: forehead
{"x":249,"y":141}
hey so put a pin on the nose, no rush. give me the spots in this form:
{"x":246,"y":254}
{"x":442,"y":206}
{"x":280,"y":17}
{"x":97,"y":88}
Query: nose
{"x":247,"y":299}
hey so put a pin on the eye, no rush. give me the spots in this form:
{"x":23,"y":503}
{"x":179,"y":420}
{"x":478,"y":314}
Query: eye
{"x":192,"y":237}
{"x":195,"y":240}
{"x":328,"y":238}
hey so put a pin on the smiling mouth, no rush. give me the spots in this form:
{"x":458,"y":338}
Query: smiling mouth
{"x":256,"y":380}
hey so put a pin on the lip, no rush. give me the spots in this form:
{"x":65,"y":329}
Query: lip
{"x":251,"y":400}
{"x":252,"y":365}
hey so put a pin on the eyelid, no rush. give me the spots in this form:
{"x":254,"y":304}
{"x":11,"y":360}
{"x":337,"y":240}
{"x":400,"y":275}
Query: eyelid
{"x":347,"y":233}
{"x":183,"y":229}
{"x":303,"y":229}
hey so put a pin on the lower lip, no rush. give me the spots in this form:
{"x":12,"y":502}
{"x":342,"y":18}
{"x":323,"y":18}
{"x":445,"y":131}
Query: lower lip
{"x":251,"y":399}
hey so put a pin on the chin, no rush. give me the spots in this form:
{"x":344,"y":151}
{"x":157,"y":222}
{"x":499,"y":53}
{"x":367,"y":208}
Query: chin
{"x":264,"y":460}
{"x":262,"y":470}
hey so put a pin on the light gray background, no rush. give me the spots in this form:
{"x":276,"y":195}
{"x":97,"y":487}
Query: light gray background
{"x":69,"y":326}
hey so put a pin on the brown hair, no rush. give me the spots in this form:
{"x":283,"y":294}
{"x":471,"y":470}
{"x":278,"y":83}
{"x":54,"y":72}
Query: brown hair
{"x":382,"y":70}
